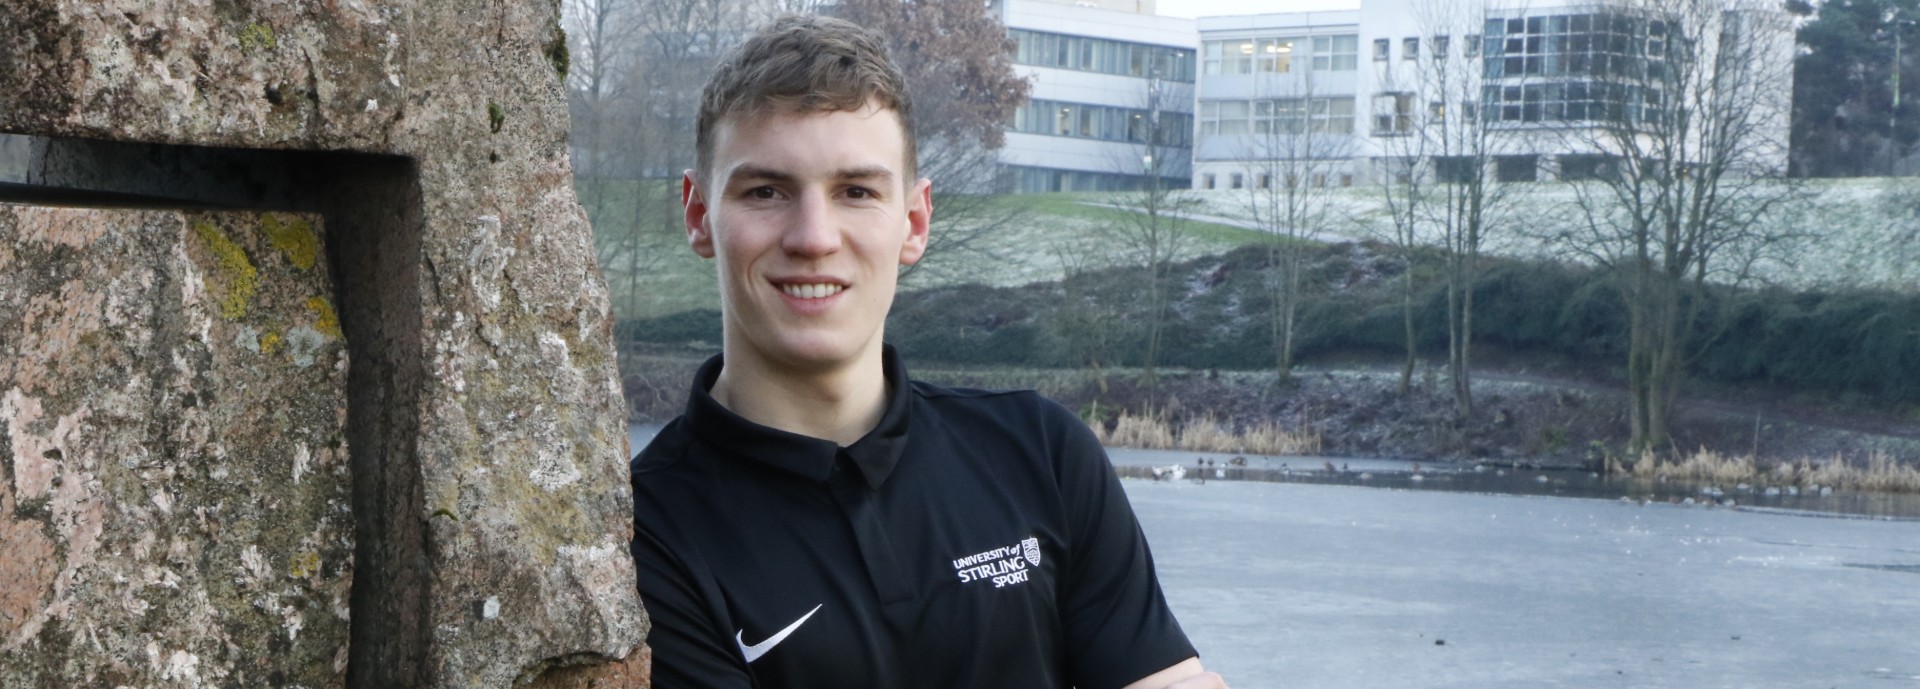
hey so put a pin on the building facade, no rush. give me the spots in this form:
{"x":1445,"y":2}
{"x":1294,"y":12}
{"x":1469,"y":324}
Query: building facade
{"x":1535,"y":91}
{"x":1113,"y":96}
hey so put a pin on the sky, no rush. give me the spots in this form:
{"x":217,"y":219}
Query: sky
{"x":1209,"y":8}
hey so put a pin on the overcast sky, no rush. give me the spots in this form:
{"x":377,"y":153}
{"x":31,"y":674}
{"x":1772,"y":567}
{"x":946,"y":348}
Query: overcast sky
{"x":1208,"y":8}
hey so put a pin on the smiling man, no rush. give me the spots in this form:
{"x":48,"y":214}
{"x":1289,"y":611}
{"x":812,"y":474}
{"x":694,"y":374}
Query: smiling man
{"x":817,"y":519}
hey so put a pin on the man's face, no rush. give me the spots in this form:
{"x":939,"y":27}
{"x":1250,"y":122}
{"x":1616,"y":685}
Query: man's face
{"x":810,"y":216}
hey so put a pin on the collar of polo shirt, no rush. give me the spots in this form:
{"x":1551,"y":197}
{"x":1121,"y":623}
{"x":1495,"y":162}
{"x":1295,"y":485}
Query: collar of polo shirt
{"x":874,"y":454}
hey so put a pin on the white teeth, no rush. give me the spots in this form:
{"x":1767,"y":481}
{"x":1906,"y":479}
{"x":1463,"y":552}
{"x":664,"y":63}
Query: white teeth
{"x":815,"y":291}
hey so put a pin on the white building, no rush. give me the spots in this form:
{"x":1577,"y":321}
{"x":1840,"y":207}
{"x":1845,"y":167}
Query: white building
{"x":1397,"y":80}
{"x":1112,"y":100}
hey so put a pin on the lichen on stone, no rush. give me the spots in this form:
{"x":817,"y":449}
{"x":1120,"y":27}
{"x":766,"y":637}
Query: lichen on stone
{"x":241,"y":278}
{"x":270,"y":343}
{"x":293,"y":236}
{"x":324,"y":319}
{"x":303,"y":565}
{"x":305,"y":344}
{"x":257,"y":36}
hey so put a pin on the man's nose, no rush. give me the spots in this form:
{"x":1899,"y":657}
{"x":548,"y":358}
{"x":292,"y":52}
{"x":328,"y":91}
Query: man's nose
{"x":813,"y":232}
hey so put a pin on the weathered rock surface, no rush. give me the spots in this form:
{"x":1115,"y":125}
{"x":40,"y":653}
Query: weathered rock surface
{"x":174,"y":493}
{"x":485,"y":433}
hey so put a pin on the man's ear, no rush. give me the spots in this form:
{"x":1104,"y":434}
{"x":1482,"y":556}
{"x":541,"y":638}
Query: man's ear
{"x":919,"y":222}
{"x":693,"y":203}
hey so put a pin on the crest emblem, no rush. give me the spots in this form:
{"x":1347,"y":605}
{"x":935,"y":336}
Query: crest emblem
{"x":1030,"y":548}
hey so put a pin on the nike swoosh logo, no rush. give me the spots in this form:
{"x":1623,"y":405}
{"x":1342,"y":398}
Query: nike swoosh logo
{"x":753,"y":652}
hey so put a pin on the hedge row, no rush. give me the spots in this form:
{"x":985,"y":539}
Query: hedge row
{"x":1865,"y":344}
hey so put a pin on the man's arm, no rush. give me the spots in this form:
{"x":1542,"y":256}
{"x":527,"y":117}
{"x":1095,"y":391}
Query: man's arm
{"x":1117,"y":626}
{"x":687,"y":652}
{"x":1187,"y":674}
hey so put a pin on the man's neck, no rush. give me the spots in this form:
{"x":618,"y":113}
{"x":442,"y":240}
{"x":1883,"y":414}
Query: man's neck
{"x":840,"y":404}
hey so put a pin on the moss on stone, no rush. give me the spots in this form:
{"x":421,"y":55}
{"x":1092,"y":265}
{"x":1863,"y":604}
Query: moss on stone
{"x":324,"y":320}
{"x":241,"y":278}
{"x":496,"y":117}
{"x":558,"y":54}
{"x":293,"y":236}
{"x":257,"y":36}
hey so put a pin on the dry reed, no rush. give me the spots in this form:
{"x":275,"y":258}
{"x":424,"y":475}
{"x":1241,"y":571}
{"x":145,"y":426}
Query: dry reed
{"x":1153,"y":430}
{"x":1881,"y":472}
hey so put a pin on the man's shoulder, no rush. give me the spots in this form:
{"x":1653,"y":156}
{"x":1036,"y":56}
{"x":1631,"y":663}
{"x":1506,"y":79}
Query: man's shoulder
{"x":1023,"y":412}
{"x":666,"y":451}
{"x":1027,"y":402}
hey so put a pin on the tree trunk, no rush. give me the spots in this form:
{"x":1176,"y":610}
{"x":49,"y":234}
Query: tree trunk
{"x":1156,"y":315}
{"x":1406,"y":318}
{"x":1637,"y":370}
{"x":1463,"y":386}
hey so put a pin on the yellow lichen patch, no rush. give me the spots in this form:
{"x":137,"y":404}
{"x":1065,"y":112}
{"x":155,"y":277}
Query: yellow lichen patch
{"x":257,"y":35}
{"x":324,"y":319}
{"x":293,"y":236}
{"x":303,"y":565}
{"x":270,"y":343}
{"x":241,"y":278}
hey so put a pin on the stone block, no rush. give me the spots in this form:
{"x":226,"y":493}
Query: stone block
{"x":486,"y":433}
{"x":175,"y":499}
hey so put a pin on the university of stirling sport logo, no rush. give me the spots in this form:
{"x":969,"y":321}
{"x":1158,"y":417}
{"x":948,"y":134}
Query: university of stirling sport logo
{"x":1003,"y":566}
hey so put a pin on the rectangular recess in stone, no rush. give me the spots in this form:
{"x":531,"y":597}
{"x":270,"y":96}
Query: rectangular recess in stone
{"x":175,"y":505}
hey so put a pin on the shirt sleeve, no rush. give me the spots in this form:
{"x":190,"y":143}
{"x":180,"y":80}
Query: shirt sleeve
{"x":1118,"y":626}
{"x":688,"y":651}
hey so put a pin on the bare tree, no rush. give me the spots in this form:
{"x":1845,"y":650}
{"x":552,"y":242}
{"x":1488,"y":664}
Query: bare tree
{"x":1691,"y":121}
{"x":1299,"y":142}
{"x":1149,"y":229}
{"x":1463,"y":203}
{"x":1091,"y":325}
{"x":1402,"y":172}
{"x":638,"y":69}
{"x":958,"y":63}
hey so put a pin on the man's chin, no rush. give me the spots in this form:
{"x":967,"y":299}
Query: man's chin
{"x":816,"y":354}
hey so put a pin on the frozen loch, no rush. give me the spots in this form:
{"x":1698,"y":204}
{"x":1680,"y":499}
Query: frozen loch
{"x":1328,"y":586}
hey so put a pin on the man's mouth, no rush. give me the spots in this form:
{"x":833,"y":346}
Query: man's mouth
{"x":814,"y":290}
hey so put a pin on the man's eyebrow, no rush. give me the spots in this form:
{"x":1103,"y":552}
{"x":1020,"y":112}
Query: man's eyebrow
{"x":867,"y":172}
{"x":749,"y":171}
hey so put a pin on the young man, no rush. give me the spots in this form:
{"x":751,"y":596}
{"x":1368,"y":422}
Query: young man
{"x":815,"y":519}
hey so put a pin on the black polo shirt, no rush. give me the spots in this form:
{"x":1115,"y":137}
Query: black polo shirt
{"x":972,"y":539}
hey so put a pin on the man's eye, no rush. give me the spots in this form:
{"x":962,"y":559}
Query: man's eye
{"x":859,"y":193}
{"x":763,"y":193}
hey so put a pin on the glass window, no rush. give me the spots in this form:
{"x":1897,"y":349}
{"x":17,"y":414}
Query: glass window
{"x":1276,"y":54}
{"x":1381,"y":48}
{"x":1409,"y":48}
{"x":1239,"y":58}
{"x":1104,"y":56}
{"x":1103,"y":122}
{"x":1335,"y":53}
